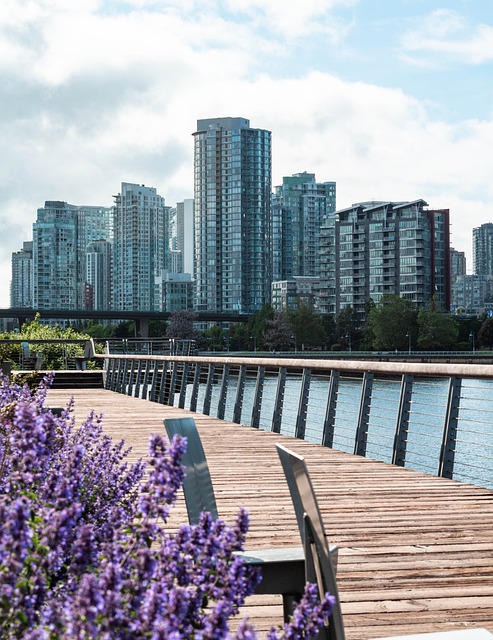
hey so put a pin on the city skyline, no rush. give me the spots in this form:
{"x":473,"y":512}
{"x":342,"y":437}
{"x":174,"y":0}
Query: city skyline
{"x":390,"y":100}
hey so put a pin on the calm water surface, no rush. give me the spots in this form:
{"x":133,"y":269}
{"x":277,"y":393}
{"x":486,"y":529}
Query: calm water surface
{"x":474,"y":450}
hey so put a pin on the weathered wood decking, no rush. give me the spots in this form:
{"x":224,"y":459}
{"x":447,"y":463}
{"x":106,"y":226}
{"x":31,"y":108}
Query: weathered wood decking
{"x":416,"y":552}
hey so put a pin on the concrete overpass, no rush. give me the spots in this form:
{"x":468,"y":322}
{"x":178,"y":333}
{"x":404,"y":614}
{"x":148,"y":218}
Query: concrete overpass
{"x":141,"y":318}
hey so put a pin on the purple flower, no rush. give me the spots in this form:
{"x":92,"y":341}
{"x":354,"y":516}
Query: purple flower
{"x":84,"y":548}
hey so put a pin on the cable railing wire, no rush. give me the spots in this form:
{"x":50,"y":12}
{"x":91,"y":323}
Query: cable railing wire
{"x":424,"y":416}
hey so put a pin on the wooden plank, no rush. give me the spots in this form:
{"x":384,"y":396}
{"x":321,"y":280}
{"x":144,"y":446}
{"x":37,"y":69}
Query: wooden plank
{"x":416,"y":552}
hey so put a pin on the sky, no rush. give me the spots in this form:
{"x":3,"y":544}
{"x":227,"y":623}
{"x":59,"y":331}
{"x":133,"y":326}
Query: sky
{"x":391,"y":99}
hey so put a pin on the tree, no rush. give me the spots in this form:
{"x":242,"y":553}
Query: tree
{"x":240,"y":337}
{"x":348,"y":330}
{"x":157,"y":328}
{"x":125,"y":329}
{"x":307,"y":325}
{"x":215,"y":338}
{"x":485,"y":334}
{"x":180,"y":325}
{"x":98,"y":330}
{"x":367,"y":337}
{"x":277,"y":335}
{"x":437,"y":330}
{"x":257,"y":325}
{"x":393,"y":323}
{"x":467,"y":326}
{"x":330,"y":328}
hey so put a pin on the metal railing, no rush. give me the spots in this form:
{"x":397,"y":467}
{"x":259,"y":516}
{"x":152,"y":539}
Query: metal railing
{"x":437,"y":418}
{"x":152,"y":346}
{"x":37,"y":354}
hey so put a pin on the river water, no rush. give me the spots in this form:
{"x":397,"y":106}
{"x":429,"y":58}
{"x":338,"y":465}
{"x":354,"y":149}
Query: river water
{"x":474,"y":446}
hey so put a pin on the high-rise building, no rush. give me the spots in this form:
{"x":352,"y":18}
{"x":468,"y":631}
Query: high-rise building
{"x":298,"y":290}
{"x":232,"y":216}
{"x":184,"y":233}
{"x":61,"y":235}
{"x":141,"y":244}
{"x":457,"y":264}
{"x":470,"y":293}
{"x":174,"y":290}
{"x":482,"y":249}
{"x":377,"y":248}
{"x":175,"y":262}
{"x":21,"y":285}
{"x":99,"y":275}
{"x":299,"y":208}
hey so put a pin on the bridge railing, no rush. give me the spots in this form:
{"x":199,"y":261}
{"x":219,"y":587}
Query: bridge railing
{"x":436,"y":418}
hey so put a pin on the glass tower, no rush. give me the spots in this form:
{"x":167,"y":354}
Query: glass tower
{"x":300,"y":206}
{"x":141,"y":246}
{"x":61,"y":235}
{"x":99,"y":275}
{"x":21,"y":286}
{"x":232,"y":216}
{"x":482,"y":249}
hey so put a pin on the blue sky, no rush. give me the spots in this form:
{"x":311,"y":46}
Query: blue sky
{"x":392,"y":99}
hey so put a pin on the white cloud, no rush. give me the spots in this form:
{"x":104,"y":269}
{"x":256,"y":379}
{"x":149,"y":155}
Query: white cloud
{"x":447,"y":33}
{"x":296,"y":19}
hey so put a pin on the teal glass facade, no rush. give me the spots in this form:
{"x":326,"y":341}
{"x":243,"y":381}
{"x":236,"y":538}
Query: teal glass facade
{"x":300,"y":206}
{"x":482,"y":249}
{"x":21,"y":285}
{"x":232,"y":216}
{"x":141,"y":245}
{"x":61,"y":235}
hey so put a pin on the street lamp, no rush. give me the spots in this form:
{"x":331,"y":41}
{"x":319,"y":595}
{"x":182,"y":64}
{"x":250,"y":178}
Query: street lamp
{"x":408,"y":336}
{"x":254,"y":338}
{"x":348,"y":338}
{"x":472,"y":340}
{"x":295,"y":343}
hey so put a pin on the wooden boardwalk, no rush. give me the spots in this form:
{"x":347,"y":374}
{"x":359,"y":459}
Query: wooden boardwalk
{"x":416,"y":552}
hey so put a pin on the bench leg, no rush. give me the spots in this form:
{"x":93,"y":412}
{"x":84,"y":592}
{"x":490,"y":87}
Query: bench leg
{"x":289,"y":602}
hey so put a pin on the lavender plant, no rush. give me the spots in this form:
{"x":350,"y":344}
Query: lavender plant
{"x":84,"y":549}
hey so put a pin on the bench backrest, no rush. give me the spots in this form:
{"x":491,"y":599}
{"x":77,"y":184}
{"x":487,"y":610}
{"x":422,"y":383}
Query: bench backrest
{"x":197,"y":486}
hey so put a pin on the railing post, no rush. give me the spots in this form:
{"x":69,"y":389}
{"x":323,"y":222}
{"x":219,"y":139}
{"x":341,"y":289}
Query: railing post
{"x":130,"y":378}
{"x":364,"y":415}
{"x":195,"y":388}
{"x":277,"y":416}
{"x":183,"y":386}
{"x":240,"y":389}
{"x":122,"y":372}
{"x":145,"y":382}
{"x":330,"y":411}
{"x":402,"y":425}
{"x":257,"y":401}
{"x":303,"y":404}
{"x":206,"y":409}
{"x":221,"y":406}
{"x":137,"y":380}
{"x":109,"y":372}
{"x":447,"y":452}
{"x":172,"y":383}
{"x":126,"y":374}
{"x":117,"y":364}
{"x":154,"y":381}
{"x":164,"y":378}
{"x":113,"y":374}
